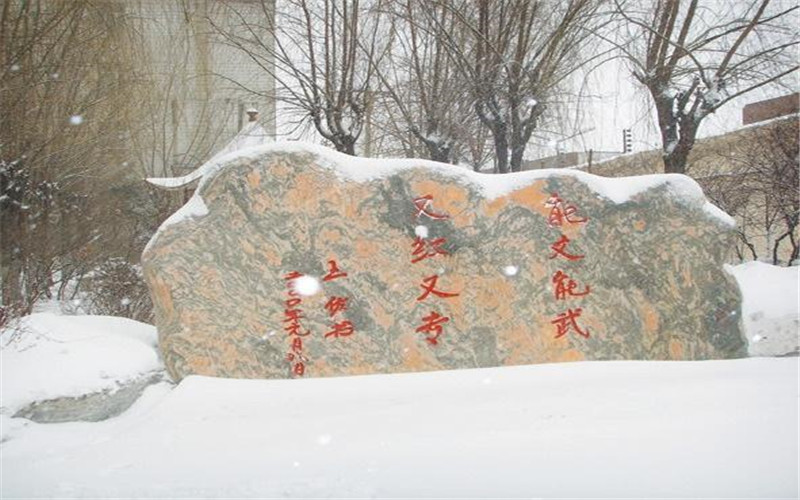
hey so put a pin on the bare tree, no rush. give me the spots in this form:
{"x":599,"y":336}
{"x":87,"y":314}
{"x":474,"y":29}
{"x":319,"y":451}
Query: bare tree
{"x":425,"y":90}
{"x":762,"y":190}
{"x":517,"y":54}
{"x":313,"y":50}
{"x":693,"y":58}
{"x":67,"y":88}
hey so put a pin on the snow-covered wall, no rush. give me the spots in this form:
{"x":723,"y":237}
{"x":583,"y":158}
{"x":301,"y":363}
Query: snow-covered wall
{"x":293,"y":260}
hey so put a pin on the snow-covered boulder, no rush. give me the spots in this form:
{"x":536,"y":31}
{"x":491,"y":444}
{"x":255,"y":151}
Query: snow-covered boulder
{"x":293,"y":260}
{"x":75,"y":368}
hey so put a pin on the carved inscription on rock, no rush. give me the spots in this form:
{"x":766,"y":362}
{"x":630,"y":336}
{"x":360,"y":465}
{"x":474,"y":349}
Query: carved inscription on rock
{"x":296,"y":271}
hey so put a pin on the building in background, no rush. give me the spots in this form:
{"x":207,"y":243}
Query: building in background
{"x":570,"y":159}
{"x":201,"y":87}
{"x":771,"y":108}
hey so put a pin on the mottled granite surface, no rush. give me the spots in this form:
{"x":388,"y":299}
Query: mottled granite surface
{"x":437,"y":275}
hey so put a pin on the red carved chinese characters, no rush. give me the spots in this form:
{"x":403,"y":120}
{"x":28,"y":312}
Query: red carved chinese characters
{"x":560,"y":213}
{"x":336,"y":304}
{"x":424,"y":207}
{"x":560,"y":248}
{"x":291,"y":319}
{"x":333,"y":272}
{"x":566,"y":321}
{"x":423,"y":248}
{"x":293,"y":316}
{"x":563,"y":285}
{"x":429,"y":287}
{"x":341,"y":329}
{"x":296,"y":357}
{"x":433,"y":324}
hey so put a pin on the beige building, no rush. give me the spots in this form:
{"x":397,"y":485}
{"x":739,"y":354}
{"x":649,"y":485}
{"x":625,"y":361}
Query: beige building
{"x":751,"y":173}
{"x":570,"y":159}
{"x":201,"y":85}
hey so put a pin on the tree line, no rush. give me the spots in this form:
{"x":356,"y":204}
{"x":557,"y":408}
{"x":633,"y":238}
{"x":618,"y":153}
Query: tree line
{"x":443,"y":78}
{"x":85,"y":114}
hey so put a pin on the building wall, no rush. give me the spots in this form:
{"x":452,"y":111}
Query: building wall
{"x":200,"y":85}
{"x":569,"y":159}
{"x":719,"y":165}
{"x":771,"y":108}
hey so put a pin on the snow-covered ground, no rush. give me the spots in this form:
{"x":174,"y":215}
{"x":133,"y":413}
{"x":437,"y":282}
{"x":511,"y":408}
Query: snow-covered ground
{"x":602,"y":429}
{"x":636,"y":429}
{"x":770,"y":307}
{"x":47,"y":356}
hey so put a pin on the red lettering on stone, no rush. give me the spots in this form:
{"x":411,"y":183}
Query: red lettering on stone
{"x":424,"y":207}
{"x":292,"y":315}
{"x":559,"y":212}
{"x":429,"y":287}
{"x":433,"y":324}
{"x":341,"y":329}
{"x":293,"y":356}
{"x":294,"y":329}
{"x":292,"y":275}
{"x":427,"y":248}
{"x":559,"y":248}
{"x":566,"y":321}
{"x":333,"y":272}
{"x":297,"y":345}
{"x":336,"y":304}
{"x":565,"y":286}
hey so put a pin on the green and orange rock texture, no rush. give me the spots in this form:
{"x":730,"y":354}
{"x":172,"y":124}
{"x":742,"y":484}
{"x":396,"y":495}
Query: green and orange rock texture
{"x":420,"y":271}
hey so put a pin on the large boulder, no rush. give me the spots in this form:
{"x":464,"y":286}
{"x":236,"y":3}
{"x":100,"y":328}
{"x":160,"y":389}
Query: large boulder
{"x":291,"y":260}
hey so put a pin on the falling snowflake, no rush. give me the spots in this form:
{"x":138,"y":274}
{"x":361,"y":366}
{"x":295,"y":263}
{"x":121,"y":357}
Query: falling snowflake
{"x":324,"y":440}
{"x":306,"y":285}
{"x":421,"y":231}
{"x":75,"y":120}
{"x":510,"y":270}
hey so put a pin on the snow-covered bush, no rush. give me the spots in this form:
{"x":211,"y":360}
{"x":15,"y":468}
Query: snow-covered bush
{"x":116,"y":288}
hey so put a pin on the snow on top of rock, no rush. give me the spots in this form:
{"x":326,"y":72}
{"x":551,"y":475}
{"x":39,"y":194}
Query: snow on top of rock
{"x":350,"y":168}
{"x":47,"y":356}
{"x":193,"y":208}
{"x":251,"y":135}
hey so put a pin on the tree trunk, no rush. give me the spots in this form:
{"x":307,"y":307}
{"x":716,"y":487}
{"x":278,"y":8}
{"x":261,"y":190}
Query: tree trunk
{"x":795,"y":249}
{"x":676,"y":154}
{"x":346,"y":145}
{"x":675,"y":161}
{"x":501,"y":148}
{"x":11,"y":266}
{"x":776,"y":246}
{"x":438,"y":152}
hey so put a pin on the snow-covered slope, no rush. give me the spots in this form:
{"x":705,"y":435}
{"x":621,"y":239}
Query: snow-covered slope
{"x":770,"y":307}
{"x":47,"y":356}
{"x":640,"y":429}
